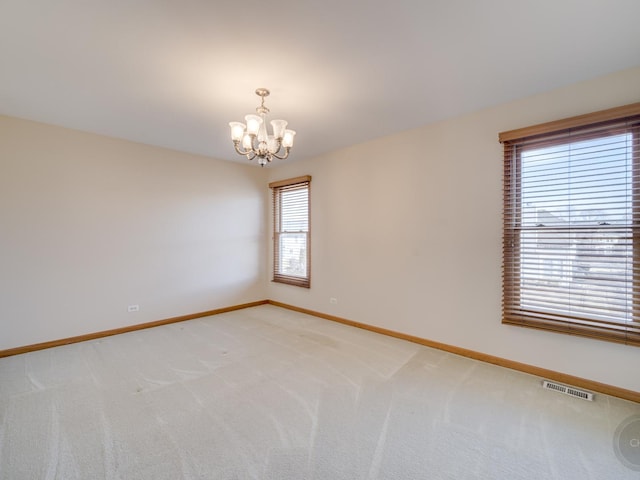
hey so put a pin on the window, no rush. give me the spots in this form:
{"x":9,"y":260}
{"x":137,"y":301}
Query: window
{"x":571,"y":239}
{"x":291,"y":231}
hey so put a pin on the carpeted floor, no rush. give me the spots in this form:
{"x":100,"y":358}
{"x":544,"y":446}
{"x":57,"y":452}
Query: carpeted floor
{"x":266,"y":393}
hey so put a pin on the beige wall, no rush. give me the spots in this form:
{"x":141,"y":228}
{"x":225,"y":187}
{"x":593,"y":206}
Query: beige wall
{"x":90,"y":225}
{"x":406,"y":234}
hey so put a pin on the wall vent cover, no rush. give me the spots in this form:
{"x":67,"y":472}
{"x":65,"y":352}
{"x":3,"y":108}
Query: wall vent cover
{"x":567,"y":390}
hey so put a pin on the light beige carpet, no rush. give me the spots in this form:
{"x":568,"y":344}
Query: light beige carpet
{"x":266,"y":393}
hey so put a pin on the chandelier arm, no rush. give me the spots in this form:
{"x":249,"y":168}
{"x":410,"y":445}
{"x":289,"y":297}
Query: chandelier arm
{"x":241,"y":152}
{"x":251,"y":155}
{"x":286,"y":154}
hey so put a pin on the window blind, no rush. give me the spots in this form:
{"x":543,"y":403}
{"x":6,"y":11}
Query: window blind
{"x":291,"y":232}
{"x":571,"y":250}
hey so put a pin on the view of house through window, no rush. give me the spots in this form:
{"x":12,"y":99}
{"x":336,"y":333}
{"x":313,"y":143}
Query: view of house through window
{"x":576,"y":248}
{"x":291,"y":231}
{"x":571,"y":226}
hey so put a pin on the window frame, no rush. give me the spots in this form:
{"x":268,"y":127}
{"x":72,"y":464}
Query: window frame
{"x":277,"y":189}
{"x":560,"y":132}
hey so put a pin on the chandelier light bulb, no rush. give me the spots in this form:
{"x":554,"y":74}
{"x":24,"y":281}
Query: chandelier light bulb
{"x":253,"y":124}
{"x":278,"y":128}
{"x":287,"y":140}
{"x":237,"y":131}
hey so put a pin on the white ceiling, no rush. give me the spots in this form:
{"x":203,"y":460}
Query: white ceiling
{"x":173,"y":73}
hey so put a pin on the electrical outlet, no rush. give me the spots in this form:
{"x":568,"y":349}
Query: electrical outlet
{"x":333,"y":301}
{"x":133,"y":308}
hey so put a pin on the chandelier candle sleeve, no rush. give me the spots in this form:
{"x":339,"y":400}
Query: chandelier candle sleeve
{"x":253,"y":139}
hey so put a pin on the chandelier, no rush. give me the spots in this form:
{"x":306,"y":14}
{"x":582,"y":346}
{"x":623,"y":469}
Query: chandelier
{"x":253,"y":140}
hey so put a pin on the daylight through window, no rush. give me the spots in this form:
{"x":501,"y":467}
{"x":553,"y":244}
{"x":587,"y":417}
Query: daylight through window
{"x":291,"y":231}
{"x":571,"y":212}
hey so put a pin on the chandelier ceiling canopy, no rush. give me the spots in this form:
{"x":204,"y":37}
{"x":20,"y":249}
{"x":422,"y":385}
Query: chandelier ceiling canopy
{"x":253,"y":140}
